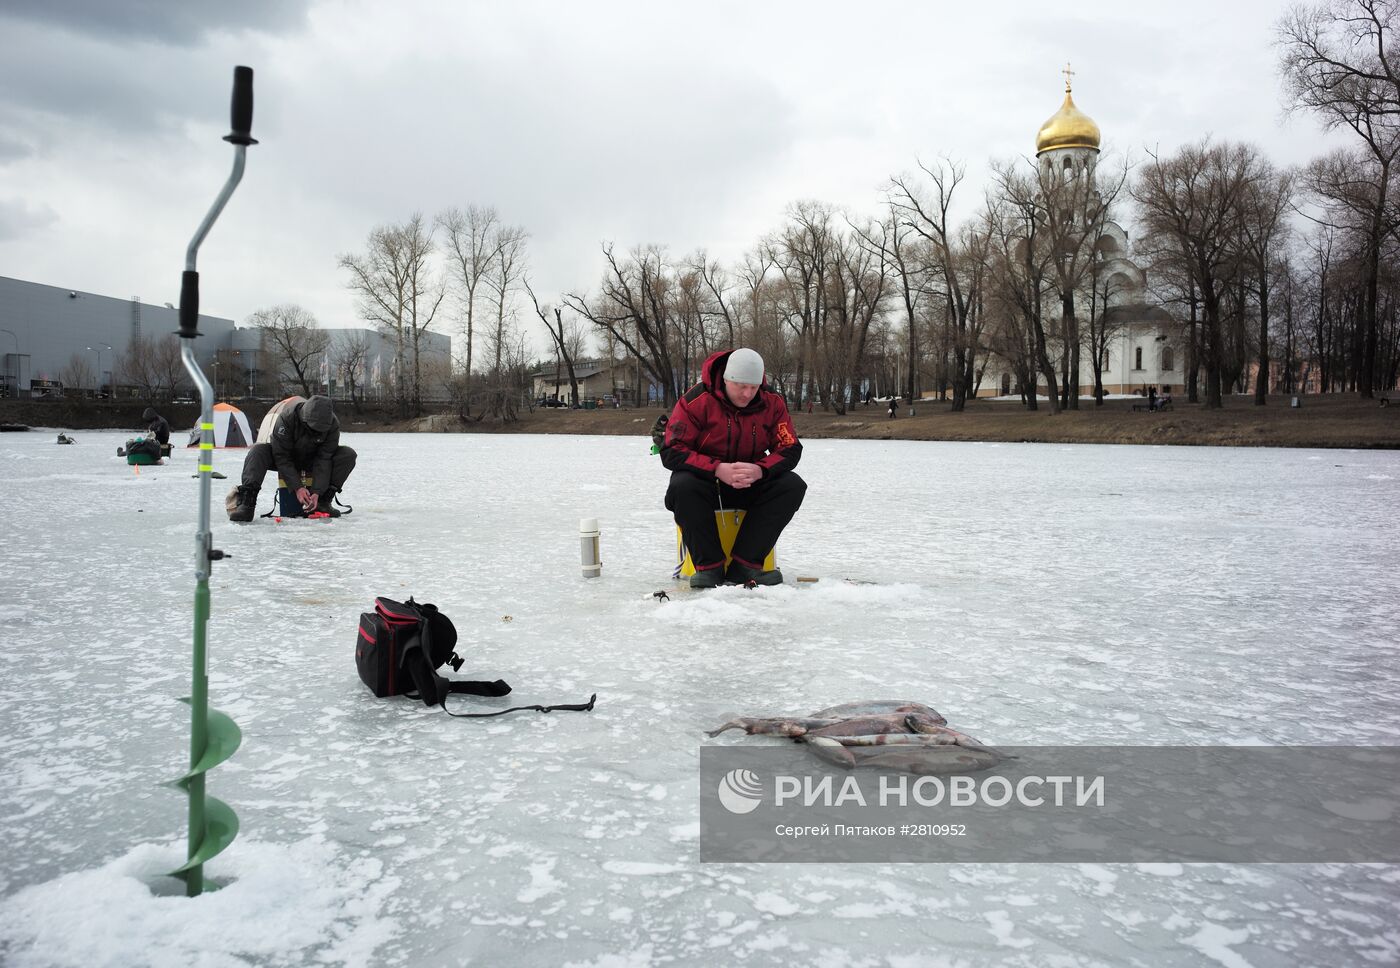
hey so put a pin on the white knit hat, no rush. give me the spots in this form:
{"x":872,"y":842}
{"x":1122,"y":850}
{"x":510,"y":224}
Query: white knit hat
{"x":744,"y":366}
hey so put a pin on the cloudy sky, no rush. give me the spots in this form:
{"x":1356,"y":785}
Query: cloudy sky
{"x":689,"y":125}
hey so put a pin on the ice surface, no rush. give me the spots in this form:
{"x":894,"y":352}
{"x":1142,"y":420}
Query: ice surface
{"x":1031,"y":593}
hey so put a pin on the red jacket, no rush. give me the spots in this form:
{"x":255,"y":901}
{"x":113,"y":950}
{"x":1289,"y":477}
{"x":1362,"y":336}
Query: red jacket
{"x":705,"y":429}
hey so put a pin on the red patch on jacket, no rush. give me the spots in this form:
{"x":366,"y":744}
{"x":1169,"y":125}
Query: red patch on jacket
{"x":785,"y":436}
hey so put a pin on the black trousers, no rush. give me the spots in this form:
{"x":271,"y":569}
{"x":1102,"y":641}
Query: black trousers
{"x":259,"y":462}
{"x":769,"y":505}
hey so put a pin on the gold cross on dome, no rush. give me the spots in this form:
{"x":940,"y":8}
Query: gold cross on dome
{"x":1068,"y":74}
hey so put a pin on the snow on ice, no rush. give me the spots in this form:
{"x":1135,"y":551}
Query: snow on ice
{"x":1034,"y":594}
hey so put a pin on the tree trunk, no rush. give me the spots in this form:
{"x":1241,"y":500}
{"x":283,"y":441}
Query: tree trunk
{"x":1261,"y":379}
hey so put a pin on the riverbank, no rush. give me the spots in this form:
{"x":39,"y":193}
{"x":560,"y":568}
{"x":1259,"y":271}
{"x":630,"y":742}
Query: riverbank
{"x":1323,"y":421}
{"x":1334,"y":420}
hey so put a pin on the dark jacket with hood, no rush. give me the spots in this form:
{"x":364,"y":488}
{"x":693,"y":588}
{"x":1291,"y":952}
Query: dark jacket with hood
{"x":297,"y":447}
{"x":157,"y":425}
{"x":706,"y":429}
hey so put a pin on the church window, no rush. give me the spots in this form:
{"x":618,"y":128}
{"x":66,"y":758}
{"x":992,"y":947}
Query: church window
{"x":1168,"y":359}
{"x":1137,"y":358}
{"x":1006,"y":384}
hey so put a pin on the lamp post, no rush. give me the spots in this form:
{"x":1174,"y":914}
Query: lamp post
{"x":98,"y":350}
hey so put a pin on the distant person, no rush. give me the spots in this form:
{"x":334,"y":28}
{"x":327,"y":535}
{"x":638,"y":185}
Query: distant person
{"x":894,"y":403}
{"x":305,"y":437}
{"x":1152,"y":398}
{"x":157,"y":426}
{"x":729,"y":443}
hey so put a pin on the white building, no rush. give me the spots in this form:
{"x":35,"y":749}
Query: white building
{"x":1143,"y":349}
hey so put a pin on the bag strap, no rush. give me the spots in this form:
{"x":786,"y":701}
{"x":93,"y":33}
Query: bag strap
{"x":427,"y":683}
{"x":581,"y":707}
{"x":473,"y":688}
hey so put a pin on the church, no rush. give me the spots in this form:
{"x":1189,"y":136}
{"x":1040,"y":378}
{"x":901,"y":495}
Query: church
{"x":1143,"y":348}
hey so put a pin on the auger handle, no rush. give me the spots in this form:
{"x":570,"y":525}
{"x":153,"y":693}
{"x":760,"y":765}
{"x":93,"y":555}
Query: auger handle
{"x":241,"y":109}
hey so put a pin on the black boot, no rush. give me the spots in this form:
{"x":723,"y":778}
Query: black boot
{"x":324,"y":505}
{"x":741,"y":574}
{"x":247,"y":505}
{"x":709,"y":578}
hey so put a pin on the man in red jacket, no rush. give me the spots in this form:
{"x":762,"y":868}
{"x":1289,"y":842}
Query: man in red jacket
{"x":730,"y":444}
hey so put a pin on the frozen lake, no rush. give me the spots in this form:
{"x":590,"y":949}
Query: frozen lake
{"x":1034,"y":594}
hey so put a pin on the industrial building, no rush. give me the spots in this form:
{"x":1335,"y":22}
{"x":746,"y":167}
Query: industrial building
{"x":63,"y":342}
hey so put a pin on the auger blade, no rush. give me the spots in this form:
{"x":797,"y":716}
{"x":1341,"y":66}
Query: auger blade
{"x":224,"y":738}
{"x":220,"y":828}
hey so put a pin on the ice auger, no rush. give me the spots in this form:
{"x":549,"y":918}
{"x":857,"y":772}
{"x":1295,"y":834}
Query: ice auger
{"x":213,"y":736}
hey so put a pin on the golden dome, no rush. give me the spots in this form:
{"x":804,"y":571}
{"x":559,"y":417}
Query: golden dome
{"x":1068,"y":127}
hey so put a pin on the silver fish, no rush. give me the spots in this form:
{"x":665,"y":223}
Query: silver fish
{"x":778,"y":726}
{"x":878,"y":707}
{"x":914,"y":754}
{"x":893,"y":716}
{"x":890,"y":724}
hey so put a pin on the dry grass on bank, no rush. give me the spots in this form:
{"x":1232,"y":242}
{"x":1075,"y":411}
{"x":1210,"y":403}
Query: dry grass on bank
{"x":1322,"y":421}
{"x":1335,"y":420}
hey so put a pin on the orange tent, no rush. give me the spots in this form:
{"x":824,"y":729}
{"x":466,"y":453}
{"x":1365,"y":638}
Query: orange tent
{"x":231,"y":428}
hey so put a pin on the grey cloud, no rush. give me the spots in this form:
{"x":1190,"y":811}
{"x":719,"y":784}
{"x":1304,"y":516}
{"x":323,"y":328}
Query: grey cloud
{"x":13,"y":147}
{"x":125,"y":90}
{"x":176,"y":22}
{"x":19,"y":219}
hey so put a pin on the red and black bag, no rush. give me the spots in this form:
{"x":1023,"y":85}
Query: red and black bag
{"x":400,"y":647}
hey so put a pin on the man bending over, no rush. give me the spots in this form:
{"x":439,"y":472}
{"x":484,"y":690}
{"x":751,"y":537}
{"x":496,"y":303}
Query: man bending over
{"x":305,"y":437}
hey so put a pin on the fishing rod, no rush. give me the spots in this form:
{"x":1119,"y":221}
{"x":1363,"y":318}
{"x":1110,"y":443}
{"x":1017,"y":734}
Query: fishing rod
{"x":213,"y":735}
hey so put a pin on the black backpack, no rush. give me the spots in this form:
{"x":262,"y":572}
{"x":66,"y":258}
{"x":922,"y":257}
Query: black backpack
{"x":400,"y":647}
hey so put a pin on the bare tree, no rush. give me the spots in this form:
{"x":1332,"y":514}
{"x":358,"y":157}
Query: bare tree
{"x":930,"y":215}
{"x":634,"y":306}
{"x":860,"y":284}
{"x":505,"y":273}
{"x":294,"y":341}
{"x":802,"y":252}
{"x":911,"y":272}
{"x":137,"y":365}
{"x":1338,"y":60}
{"x":352,"y":359}
{"x":1264,"y":229}
{"x":397,"y":292}
{"x":168,"y":366}
{"x":566,"y":338}
{"x":473,"y":241}
{"x":1104,"y":326}
{"x":1025,"y":263}
{"x":1077,"y":206}
{"x":1193,"y":201}
{"x":78,"y":373}
{"x":718,"y":285}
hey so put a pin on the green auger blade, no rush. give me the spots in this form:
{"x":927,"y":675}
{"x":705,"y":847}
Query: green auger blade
{"x":220,"y":828}
{"x":224,"y":738}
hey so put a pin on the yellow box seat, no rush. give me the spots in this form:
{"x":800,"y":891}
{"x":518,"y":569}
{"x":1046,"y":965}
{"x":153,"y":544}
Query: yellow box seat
{"x":728,"y":523}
